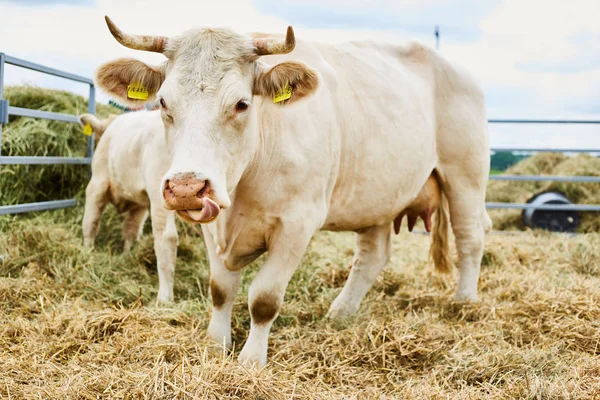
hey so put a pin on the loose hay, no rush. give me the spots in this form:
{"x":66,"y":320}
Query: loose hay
{"x":83,"y":324}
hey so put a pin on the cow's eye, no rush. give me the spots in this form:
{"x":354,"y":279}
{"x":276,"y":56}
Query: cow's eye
{"x":163,"y":103}
{"x":242,"y":106}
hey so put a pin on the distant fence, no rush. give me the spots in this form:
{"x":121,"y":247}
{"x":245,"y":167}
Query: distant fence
{"x":6,"y":110}
{"x":541,"y":178}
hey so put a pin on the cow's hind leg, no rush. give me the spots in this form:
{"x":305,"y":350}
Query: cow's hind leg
{"x":463,"y":183}
{"x":470,"y":223}
{"x":463,"y":166}
{"x":373,"y":249}
{"x":165,"y":247}
{"x":133,"y":226}
{"x":96,"y":198}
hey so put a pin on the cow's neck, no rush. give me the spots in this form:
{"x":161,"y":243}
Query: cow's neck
{"x":238,"y":232}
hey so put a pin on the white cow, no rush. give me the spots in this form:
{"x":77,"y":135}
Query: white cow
{"x":370,"y":133}
{"x":127,"y":169}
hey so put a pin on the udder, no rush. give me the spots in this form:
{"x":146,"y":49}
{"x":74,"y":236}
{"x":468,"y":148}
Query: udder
{"x":423,"y":206}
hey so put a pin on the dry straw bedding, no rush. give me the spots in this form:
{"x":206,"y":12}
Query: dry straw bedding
{"x":83,"y":324}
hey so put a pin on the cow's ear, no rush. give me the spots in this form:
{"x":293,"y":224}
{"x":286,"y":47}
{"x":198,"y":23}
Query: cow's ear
{"x":277,"y":81}
{"x":95,"y":123}
{"x":131,"y":81}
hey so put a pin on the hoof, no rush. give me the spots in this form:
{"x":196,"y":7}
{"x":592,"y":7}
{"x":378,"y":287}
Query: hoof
{"x":465,"y":297}
{"x":252,"y":359}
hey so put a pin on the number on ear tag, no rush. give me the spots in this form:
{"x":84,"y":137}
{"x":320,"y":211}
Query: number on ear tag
{"x":137,"y":91}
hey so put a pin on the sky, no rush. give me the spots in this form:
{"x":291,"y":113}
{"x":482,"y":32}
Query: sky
{"x":535,"y":59}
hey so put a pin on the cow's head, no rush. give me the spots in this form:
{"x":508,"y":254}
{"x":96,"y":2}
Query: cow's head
{"x":207,"y":90}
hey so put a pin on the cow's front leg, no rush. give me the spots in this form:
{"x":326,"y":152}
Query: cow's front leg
{"x":166,"y":240}
{"x":96,"y":198}
{"x":266,"y":293}
{"x":224,"y":285}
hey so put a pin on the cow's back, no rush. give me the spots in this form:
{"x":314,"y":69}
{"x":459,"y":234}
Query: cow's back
{"x":373,"y":122}
{"x":135,"y":155}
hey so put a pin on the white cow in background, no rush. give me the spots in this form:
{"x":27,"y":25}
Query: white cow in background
{"x":127,"y":169}
{"x":267,"y":147}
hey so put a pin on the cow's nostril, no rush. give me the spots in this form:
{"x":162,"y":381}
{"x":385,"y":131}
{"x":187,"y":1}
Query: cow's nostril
{"x":203,"y":190}
{"x":167,"y":187}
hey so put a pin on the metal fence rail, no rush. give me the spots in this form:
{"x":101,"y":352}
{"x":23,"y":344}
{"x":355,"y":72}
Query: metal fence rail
{"x":44,"y":205}
{"x":26,"y":112}
{"x":544,"y":121}
{"x":6,"y":110}
{"x":24,"y":160}
{"x":545,"y":178}
{"x":544,"y":150}
{"x":553,"y":207}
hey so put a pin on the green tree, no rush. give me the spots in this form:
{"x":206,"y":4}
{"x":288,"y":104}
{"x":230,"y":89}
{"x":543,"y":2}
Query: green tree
{"x":501,"y":160}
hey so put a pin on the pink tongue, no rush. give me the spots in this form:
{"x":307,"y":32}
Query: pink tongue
{"x":209,"y":211}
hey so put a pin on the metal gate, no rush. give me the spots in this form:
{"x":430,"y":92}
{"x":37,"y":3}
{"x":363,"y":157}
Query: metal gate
{"x":6,"y":110}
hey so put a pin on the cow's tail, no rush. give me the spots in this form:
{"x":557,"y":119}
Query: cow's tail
{"x":440,"y":245}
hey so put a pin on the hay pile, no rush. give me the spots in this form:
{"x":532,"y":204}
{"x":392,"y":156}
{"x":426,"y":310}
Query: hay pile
{"x":547,"y":164}
{"x":38,"y":137}
{"x":83,"y":324}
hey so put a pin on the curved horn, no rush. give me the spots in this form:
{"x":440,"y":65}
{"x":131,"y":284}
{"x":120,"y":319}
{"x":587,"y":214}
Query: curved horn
{"x":268,"y":45}
{"x":156,"y":44}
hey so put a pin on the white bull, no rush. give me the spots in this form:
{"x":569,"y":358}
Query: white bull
{"x":127,"y":168}
{"x":371,"y":133}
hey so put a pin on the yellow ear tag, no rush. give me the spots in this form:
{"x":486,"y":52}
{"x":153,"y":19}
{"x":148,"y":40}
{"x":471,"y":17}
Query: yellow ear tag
{"x":87,"y":129}
{"x":137,"y":91}
{"x":283,"y":94}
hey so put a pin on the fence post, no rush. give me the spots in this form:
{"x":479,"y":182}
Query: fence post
{"x":1,"y":118}
{"x":1,"y":100}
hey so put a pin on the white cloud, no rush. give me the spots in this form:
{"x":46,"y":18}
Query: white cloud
{"x":540,"y":33}
{"x":345,"y":5}
{"x":543,"y":31}
{"x":81,"y":31}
